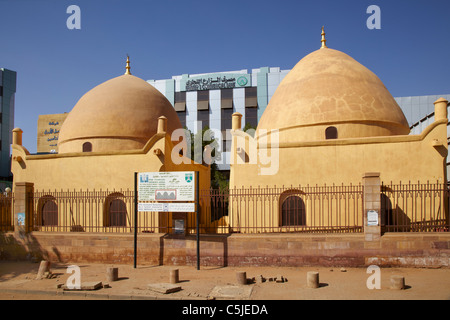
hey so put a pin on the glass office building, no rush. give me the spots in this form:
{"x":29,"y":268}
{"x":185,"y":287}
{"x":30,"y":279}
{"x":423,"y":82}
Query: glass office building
{"x":419,"y":111}
{"x":7,"y":94}
{"x":209,"y":99}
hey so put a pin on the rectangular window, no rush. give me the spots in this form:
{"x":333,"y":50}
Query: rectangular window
{"x":203,"y":116}
{"x":203,"y":95}
{"x":203,"y":100}
{"x":182,"y":117}
{"x":180,"y":96}
{"x":251,"y":117}
{"x":226,"y":98}
{"x":1,"y":91}
{"x":251,"y":98}
{"x":180,"y":101}
{"x":225,"y":119}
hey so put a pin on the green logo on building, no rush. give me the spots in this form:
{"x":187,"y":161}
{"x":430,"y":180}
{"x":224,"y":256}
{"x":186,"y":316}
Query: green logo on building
{"x":242,"y":81}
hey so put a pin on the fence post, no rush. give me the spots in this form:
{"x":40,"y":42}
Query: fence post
{"x":372,"y":206}
{"x":23,"y":207}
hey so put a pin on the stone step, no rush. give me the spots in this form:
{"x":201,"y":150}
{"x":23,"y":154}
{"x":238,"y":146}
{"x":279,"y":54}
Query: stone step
{"x":163,"y":288}
{"x":85,"y":286}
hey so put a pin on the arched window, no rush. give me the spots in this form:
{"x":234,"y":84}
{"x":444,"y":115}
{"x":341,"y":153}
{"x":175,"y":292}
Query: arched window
{"x":331,"y":133}
{"x":293,"y":212}
{"x":87,"y":147}
{"x":116,"y":211}
{"x":49,"y":211}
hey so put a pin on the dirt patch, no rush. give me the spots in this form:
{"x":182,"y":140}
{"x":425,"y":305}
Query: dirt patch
{"x":335,"y":283}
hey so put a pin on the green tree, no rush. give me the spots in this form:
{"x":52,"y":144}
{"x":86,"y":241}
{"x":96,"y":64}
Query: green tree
{"x":218,"y":179}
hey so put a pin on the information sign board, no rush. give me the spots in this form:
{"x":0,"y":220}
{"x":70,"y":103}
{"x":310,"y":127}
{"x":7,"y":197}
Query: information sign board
{"x":166,"y":186}
{"x":372,"y":218}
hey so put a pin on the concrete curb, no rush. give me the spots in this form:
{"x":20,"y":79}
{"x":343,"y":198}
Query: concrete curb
{"x":90,"y":294}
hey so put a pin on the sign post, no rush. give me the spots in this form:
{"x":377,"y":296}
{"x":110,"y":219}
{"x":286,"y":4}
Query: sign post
{"x":198,"y":218}
{"x":169,"y":191}
{"x":135,"y":218}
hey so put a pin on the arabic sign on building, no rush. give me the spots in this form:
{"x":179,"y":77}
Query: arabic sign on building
{"x":218,"y":81}
{"x":166,"y":186}
{"x":49,"y":127}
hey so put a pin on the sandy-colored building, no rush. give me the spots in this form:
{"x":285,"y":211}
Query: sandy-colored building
{"x":120,"y":127}
{"x":330,"y":122}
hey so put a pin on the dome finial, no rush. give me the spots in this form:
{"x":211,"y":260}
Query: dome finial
{"x":128,"y":65}
{"x":324,"y":41}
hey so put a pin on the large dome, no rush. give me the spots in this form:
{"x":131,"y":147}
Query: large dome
{"x":329,"y":89}
{"x":119,"y":114}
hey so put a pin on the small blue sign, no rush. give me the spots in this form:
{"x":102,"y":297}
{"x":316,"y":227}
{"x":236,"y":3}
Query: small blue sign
{"x":21,"y":219}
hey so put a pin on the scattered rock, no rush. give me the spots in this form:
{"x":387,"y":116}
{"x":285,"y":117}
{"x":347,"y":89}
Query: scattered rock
{"x":49,"y":275}
{"x":163,"y":288}
{"x":343,"y":270}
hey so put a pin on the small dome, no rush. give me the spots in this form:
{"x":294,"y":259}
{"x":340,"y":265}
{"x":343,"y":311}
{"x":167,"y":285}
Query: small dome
{"x":119,"y":114}
{"x":327,"y":90}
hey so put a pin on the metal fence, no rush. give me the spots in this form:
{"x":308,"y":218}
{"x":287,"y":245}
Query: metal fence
{"x":313,"y":209}
{"x":6,"y":213}
{"x":254,"y":210}
{"x":415,"y":207}
{"x":84,"y":211}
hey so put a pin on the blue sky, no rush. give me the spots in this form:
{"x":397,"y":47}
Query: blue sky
{"x":56,"y":66}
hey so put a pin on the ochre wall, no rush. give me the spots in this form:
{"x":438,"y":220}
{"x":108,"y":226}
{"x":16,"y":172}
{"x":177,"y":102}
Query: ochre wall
{"x":290,"y":250}
{"x":98,"y":170}
{"x":112,"y":171}
{"x":397,"y":159}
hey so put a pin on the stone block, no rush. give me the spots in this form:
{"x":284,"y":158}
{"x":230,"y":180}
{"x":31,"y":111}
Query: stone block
{"x":397,"y":282}
{"x":163,"y":288}
{"x":312,"y":279}
{"x":112,"y":274}
{"x":241,"y":278}
{"x":84,"y":286}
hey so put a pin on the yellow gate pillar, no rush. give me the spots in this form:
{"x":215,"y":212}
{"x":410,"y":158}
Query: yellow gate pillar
{"x":23,"y":207}
{"x":372,"y":206}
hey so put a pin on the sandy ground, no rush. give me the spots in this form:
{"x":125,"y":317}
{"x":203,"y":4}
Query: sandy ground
{"x":17,"y":281}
